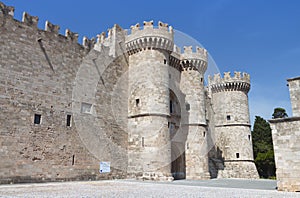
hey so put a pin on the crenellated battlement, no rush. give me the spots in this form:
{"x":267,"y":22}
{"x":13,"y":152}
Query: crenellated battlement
{"x":32,"y":21}
{"x":148,"y":37}
{"x":237,"y":82}
{"x":49,"y":27}
{"x":194,"y":60}
{"x":189,"y":54}
{"x":7,"y":10}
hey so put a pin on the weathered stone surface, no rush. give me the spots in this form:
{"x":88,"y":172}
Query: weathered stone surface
{"x":38,"y":70}
{"x":232,"y":155}
{"x":294,"y":84}
{"x":132,"y":100}
{"x":286,"y":138}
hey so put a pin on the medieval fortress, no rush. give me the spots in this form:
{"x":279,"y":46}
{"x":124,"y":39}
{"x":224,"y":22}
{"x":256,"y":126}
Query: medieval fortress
{"x":131,"y":99}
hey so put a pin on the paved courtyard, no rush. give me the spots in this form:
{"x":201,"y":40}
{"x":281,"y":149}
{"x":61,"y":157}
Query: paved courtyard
{"x":133,"y":188}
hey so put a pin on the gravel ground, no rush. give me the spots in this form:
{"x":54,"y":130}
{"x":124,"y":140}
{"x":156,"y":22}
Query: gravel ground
{"x":133,"y":188}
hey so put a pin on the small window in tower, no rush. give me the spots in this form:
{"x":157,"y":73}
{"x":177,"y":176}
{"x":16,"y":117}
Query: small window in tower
{"x":68,"y":120}
{"x":165,"y":61}
{"x":201,"y":79}
{"x":249,"y":137}
{"x":73,"y":160}
{"x":228,"y":117}
{"x":237,"y":155}
{"x":37,"y":118}
{"x":143,"y":141}
{"x":204,"y":133}
{"x":171,"y":106}
{"x":137,"y":102}
{"x":187,"y":107}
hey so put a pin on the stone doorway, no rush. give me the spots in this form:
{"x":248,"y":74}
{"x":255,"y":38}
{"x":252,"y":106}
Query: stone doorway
{"x":178,"y":161}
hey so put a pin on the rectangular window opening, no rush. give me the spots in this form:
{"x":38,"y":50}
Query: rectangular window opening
{"x":228,"y":117}
{"x":165,"y":61}
{"x":204,"y":133}
{"x":68,"y":120}
{"x":73,"y":160}
{"x":237,"y":155}
{"x":249,"y":137}
{"x":37,"y":118}
{"x":137,"y":102}
{"x":187,"y":107}
{"x":143,"y":141}
{"x":171,"y":106}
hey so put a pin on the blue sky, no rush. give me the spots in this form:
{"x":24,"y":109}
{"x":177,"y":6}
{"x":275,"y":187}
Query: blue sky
{"x":260,"y":37}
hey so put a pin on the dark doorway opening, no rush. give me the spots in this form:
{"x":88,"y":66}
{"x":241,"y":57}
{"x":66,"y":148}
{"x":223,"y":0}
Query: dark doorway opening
{"x":178,"y":162}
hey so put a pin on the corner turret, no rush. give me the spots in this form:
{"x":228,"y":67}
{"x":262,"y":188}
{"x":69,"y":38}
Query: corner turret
{"x":232,"y":126}
{"x":236,"y":83}
{"x":194,"y":60}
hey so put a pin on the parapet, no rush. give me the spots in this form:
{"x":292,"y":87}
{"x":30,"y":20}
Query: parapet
{"x":6,"y":10}
{"x":161,"y":37}
{"x":196,"y":60}
{"x":49,"y":27}
{"x":32,"y":21}
{"x":238,"y":82}
{"x":189,"y":54}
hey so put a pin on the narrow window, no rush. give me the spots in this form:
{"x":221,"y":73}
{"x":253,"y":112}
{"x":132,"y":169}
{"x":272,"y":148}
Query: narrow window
{"x":228,"y":117}
{"x":204,"y":133}
{"x":187,"y":107}
{"x":143,"y":141}
{"x":168,"y":124}
{"x":137,"y":102}
{"x":201,"y":79}
{"x":171,"y":106}
{"x":37,"y":118}
{"x":73,"y":160}
{"x":69,"y":120}
{"x":249,"y":137}
{"x":237,"y":155}
{"x":165,"y":61}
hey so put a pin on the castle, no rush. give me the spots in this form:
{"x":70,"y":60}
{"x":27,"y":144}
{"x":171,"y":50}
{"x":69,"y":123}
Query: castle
{"x":131,"y":100}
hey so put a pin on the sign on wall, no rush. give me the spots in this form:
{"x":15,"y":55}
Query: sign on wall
{"x":104,"y":167}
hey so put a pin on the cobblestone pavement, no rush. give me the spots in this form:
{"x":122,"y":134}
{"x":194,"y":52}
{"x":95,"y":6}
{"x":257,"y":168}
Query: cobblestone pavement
{"x":132,"y":188}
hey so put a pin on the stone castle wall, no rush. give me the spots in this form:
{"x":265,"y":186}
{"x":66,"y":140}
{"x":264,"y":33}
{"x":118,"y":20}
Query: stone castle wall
{"x":38,"y":70}
{"x":286,"y":138}
{"x":294,"y":85}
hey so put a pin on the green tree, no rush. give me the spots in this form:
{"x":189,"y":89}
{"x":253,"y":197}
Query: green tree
{"x":279,"y":113}
{"x":263,"y":148}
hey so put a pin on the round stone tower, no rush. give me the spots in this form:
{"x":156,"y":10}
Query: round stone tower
{"x":232,"y":125}
{"x":149,"y":150}
{"x":194,"y":123}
